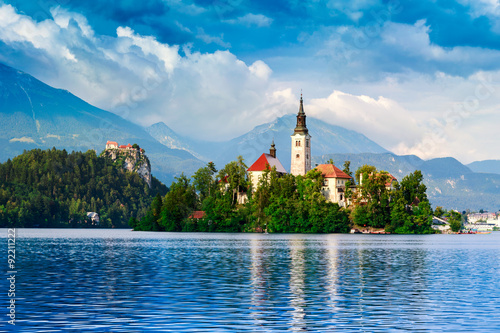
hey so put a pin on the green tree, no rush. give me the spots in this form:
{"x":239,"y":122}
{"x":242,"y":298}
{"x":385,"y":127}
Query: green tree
{"x":455,"y":220}
{"x":204,"y":182}
{"x":438,"y":212}
{"x":235,"y":173}
{"x":179,"y":202}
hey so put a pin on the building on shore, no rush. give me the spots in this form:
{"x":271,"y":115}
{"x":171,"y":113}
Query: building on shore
{"x":334,"y":184}
{"x":263,"y":163}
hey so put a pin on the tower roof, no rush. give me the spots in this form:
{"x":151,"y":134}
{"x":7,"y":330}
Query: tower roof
{"x":301,"y":127}
{"x":272,"y":151}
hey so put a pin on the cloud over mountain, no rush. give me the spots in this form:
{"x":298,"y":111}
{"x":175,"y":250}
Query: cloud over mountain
{"x":419,"y":77}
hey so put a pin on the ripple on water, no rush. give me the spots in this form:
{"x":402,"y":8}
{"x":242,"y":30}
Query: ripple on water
{"x":122,"y":281}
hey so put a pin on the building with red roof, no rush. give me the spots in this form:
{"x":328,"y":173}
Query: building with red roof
{"x":263,"y":163}
{"x":334,"y":184}
{"x":128,"y":146}
{"x":111,"y":145}
{"x":197,"y":214}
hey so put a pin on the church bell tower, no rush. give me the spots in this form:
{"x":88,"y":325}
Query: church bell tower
{"x":301,"y":145}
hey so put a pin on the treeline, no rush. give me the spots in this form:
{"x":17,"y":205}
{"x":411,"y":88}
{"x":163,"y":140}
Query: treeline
{"x":54,"y":188}
{"x":399,"y":207}
{"x":280,"y":204}
{"x":285,"y":203}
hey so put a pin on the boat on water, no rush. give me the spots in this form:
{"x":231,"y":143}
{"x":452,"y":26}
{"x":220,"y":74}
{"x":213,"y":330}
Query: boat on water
{"x":473,"y":232}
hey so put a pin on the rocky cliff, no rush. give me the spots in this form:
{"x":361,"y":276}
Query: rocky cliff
{"x":133,"y":160}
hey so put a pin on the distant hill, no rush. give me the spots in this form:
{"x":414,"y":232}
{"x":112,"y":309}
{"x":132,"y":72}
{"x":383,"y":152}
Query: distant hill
{"x":53,"y":188}
{"x":450,"y":184}
{"x":326,"y":138}
{"x":487,"y":166}
{"x":35,"y":115}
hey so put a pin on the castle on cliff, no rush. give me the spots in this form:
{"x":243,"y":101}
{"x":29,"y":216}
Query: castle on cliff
{"x":132,"y":158}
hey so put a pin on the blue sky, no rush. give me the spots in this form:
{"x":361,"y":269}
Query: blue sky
{"x":418,"y":77}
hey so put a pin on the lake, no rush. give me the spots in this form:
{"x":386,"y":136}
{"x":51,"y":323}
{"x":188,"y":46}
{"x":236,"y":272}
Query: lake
{"x":72,"y":280}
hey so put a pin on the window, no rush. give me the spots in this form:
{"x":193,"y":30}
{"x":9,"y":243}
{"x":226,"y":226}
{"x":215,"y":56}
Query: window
{"x":307,"y":143}
{"x":325,"y":182}
{"x":297,"y":156}
{"x":297,"y":143}
{"x":307,"y":157}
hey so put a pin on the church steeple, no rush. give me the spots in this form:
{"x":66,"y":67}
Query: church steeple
{"x":301,"y":144}
{"x":272,"y":150}
{"x":301,"y":127}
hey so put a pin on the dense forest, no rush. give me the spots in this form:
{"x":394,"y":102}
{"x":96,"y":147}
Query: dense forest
{"x":54,"y":188}
{"x":287,"y":203}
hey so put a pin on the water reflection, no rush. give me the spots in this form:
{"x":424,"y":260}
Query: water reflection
{"x":297,"y":284}
{"x":135,"y":282}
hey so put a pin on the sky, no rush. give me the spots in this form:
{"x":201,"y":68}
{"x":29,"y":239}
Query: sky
{"x":418,"y":77}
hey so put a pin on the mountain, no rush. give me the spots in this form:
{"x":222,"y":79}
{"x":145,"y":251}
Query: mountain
{"x":326,"y":139}
{"x":449,"y":183}
{"x":487,"y":166}
{"x":35,"y":115}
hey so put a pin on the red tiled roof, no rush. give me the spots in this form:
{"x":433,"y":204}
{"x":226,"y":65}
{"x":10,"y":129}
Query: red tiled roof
{"x":331,"y":171}
{"x":126,"y":146}
{"x":112,"y":143}
{"x":197,"y":214}
{"x":266,"y":160}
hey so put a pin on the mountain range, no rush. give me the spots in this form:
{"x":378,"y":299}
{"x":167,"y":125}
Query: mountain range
{"x":35,"y":115}
{"x":327,"y":138}
{"x":450,"y":184}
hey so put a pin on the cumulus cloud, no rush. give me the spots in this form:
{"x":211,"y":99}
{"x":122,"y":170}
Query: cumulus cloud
{"x":380,"y":118}
{"x":395,"y":85}
{"x":206,"y":95}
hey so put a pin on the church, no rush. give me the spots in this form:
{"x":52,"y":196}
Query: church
{"x":335,"y":179}
{"x":301,"y":153}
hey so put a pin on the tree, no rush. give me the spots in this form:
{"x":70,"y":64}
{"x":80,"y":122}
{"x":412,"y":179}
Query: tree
{"x":455,"y":220}
{"x":412,"y":187}
{"x":235,"y":173}
{"x":178,"y":204}
{"x":438,"y":212}
{"x":204,"y":181}
{"x":411,"y":211}
{"x":364,"y":171}
{"x":374,"y":197}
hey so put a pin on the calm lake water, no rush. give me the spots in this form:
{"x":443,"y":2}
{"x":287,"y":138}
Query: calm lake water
{"x":124,"y":281}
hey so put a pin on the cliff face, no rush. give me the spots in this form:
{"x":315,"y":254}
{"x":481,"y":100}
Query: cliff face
{"x":132,"y":160}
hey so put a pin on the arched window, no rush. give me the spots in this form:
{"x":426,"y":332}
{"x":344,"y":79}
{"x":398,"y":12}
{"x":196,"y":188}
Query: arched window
{"x":297,"y":156}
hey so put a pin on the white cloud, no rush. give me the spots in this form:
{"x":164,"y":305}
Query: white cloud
{"x":260,"y":69}
{"x":216,"y":96}
{"x":210,"y":95}
{"x":380,"y":118}
{"x":250,"y":19}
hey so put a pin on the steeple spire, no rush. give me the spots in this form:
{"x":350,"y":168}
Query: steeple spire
{"x":301,"y":127}
{"x":272,"y":151}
